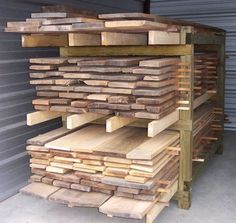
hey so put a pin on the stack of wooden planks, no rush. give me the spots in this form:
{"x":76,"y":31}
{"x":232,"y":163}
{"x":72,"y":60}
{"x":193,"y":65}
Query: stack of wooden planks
{"x":125,"y":163}
{"x":74,"y":27}
{"x":135,"y":87}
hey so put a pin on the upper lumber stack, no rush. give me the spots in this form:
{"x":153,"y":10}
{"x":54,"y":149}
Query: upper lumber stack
{"x":124,"y":69}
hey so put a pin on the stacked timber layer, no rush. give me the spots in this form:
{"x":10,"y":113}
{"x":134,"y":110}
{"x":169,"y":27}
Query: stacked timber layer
{"x":73,"y":27}
{"x":135,"y":87}
{"x":87,"y":166}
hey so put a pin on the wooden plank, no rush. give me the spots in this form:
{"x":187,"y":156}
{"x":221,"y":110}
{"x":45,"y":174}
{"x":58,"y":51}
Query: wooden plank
{"x":54,"y":169}
{"x":128,"y":139}
{"x":116,"y":122}
{"x":75,"y":198}
{"x":200,"y":100}
{"x":69,"y":21}
{"x":125,"y":207}
{"x":122,"y":16}
{"x":44,"y":40}
{"x":113,"y":39}
{"x":74,"y":121}
{"x":135,"y":25}
{"x":162,"y":37}
{"x":160,"y":62}
{"x":86,"y":140}
{"x":154,"y":146}
{"x":162,"y":50}
{"x":35,"y":118}
{"x":82,"y":39}
{"x":157,"y":208}
{"x":39,"y":190}
{"x":48,"y":136}
{"x":158,"y":126}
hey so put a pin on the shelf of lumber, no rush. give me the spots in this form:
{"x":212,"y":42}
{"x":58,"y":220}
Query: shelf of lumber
{"x":141,"y":97}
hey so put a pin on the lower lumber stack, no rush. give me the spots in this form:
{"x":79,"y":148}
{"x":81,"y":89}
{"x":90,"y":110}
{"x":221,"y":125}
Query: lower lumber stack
{"x":89,"y":167}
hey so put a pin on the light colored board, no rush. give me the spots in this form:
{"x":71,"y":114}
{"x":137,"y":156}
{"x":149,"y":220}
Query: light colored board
{"x":125,"y":207}
{"x":63,"y":165}
{"x":117,"y":165}
{"x":122,"y":84}
{"x":81,"y":187}
{"x":129,"y":139}
{"x":41,"y":101}
{"x":158,"y":207}
{"x":200,"y":100}
{"x":35,"y":118}
{"x":89,"y":167}
{"x":44,"y":41}
{"x":117,"y":171}
{"x":66,"y":159}
{"x":39,"y":190}
{"x":154,"y":146}
{"x":36,"y":148}
{"x":124,"y":183}
{"x":82,"y":39}
{"x":136,"y":25}
{"x":132,"y":15}
{"x":49,"y":60}
{"x":96,"y":82}
{"x":49,"y":136}
{"x":116,"y":160}
{"x":98,"y":97}
{"x":114,"y":39}
{"x":136,"y":179}
{"x":162,"y":37}
{"x":74,"y":121}
{"x":38,"y":166}
{"x":78,"y":198}
{"x":161,"y":62}
{"x":116,"y":122}
{"x":56,"y":169}
{"x":128,"y":190}
{"x":69,"y":21}
{"x":158,"y":126}
{"x":86,"y":140}
{"x":40,"y":161}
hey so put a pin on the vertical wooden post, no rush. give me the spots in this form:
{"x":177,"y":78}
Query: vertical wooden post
{"x":186,"y":136}
{"x":221,"y":92}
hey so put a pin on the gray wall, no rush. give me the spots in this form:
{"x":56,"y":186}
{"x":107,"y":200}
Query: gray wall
{"x":16,"y":93}
{"x":216,"y":13}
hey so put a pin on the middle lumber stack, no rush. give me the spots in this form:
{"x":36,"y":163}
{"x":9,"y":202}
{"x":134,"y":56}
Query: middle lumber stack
{"x":140,"y":87}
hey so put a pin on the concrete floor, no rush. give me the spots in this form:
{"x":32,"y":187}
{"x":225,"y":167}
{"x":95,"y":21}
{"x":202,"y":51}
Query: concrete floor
{"x":214,"y":200}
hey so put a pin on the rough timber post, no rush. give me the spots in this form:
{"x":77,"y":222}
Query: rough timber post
{"x":186,"y":136}
{"x":220,"y":92}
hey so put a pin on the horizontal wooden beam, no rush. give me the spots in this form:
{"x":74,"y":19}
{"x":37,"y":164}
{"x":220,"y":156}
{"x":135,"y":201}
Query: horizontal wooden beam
{"x":116,"y":122}
{"x":170,"y":50}
{"x":74,"y":121}
{"x":158,"y":126}
{"x":38,"y":117}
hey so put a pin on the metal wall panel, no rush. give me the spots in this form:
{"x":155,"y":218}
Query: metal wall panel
{"x":217,"y":13}
{"x":16,"y":93}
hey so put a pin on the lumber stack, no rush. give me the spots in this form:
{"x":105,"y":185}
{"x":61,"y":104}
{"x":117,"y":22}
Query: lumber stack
{"x":64,"y":26}
{"x":88,"y":160}
{"x":134,"y":87}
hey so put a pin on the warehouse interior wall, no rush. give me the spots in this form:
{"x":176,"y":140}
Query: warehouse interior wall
{"x":217,"y":13}
{"x":16,"y":93}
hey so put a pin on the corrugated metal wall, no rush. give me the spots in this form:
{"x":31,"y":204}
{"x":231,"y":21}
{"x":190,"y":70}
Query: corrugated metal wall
{"x":215,"y":13}
{"x":15,"y":91}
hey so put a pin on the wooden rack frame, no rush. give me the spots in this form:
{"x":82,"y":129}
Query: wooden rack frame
{"x":190,"y":42}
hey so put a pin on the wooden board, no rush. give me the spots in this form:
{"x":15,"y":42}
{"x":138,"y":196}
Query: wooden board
{"x":82,"y":39}
{"x":162,"y":37}
{"x":114,"y":39}
{"x":152,"y":147}
{"x":122,"y":144}
{"x":75,"y":198}
{"x":132,"y":15}
{"x":125,"y":207}
{"x":39,"y":190}
{"x":44,"y":40}
{"x":87,"y":139}
{"x":49,"y":136}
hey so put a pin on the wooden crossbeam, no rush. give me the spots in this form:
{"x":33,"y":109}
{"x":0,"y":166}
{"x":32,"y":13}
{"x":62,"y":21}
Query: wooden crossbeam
{"x":38,"y":117}
{"x":157,"y":126}
{"x":116,"y":122}
{"x":74,"y":121}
